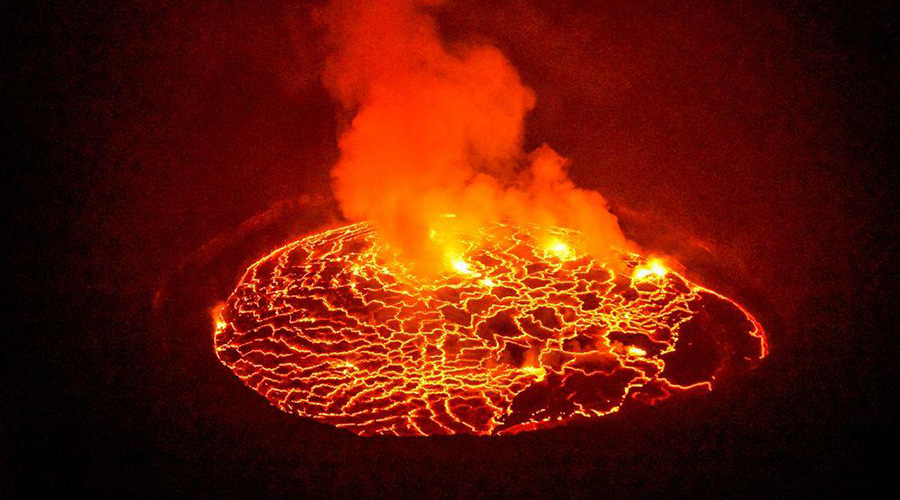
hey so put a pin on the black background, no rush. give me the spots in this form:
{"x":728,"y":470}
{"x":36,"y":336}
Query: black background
{"x":157,"y":148}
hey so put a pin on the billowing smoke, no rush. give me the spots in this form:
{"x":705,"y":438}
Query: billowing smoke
{"x":437,"y":128}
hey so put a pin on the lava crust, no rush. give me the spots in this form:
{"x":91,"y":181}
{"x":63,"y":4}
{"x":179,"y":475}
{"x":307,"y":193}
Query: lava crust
{"x":522,"y":334}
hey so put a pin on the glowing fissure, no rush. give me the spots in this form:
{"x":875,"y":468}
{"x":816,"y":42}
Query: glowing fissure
{"x":523,"y":331}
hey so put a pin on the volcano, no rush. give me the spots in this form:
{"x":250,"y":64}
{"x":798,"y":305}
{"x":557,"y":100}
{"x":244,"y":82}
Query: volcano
{"x":522,"y":331}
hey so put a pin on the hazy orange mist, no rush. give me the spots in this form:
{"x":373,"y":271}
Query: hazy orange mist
{"x":438,"y":129}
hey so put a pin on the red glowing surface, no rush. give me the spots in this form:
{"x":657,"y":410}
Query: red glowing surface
{"x":521,"y":332}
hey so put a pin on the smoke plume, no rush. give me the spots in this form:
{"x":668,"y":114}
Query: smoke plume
{"x":436,"y":128}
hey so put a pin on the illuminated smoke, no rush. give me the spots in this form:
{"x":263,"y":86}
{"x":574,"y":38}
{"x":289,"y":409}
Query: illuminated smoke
{"x":436,"y":128}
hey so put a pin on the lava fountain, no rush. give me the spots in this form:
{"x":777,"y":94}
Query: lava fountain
{"x":522,"y":331}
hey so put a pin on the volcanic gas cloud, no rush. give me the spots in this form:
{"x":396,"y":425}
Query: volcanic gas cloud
{"x":483,"y":293}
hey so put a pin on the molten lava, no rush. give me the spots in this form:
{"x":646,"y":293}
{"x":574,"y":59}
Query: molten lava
{"x":523,"y":331}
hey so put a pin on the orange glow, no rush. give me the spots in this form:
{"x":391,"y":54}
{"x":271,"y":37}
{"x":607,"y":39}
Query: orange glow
{"x":509,"y":338}
{"x":636,"y":351}
{"x":653,"y":268}
{"x":560,"y":249}
{"x":217,"y":313}
{"x":460,"y":266}
{"x":488,"y":282}
{"x":537,"y":371}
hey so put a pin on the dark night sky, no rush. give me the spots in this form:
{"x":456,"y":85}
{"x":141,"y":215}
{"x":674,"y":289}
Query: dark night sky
{"x":157,"y":148}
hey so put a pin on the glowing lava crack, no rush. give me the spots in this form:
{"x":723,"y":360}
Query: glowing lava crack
{"x":523,"y":333}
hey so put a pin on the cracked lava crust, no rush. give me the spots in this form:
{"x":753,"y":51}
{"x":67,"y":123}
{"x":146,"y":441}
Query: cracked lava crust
{"x":522,"y":332}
